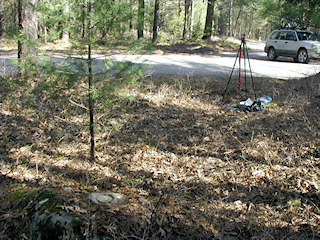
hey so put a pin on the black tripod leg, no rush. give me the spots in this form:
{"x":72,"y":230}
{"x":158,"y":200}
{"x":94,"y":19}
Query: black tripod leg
{"x":235,"y":62}
{"x":245,"y":67}
{"x":251,"y":74}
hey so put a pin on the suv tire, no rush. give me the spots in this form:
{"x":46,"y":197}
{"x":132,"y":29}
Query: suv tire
{"x":302,"y":56}
{"x":272,"y":54}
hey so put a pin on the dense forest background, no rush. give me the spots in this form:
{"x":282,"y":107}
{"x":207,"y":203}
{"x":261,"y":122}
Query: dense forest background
{"x":156,"y":19}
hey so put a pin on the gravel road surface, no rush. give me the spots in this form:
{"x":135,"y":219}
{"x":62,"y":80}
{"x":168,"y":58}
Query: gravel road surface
{"x":197,"y":65}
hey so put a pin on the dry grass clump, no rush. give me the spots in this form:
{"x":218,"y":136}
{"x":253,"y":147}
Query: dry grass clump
{"x":190,"y":169}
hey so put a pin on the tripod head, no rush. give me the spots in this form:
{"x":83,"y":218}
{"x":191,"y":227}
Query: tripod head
{"x":243,"y":38}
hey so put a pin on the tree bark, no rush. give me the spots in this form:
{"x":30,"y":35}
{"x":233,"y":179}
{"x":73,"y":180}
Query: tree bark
{"x":209,"y":20}
{"x":20,"y":48}
{"x":131,"y":14}
{"x":45,"y":33}
{"x":65,"y":33}
{"x":83,"y":16}
{"x":140,"y":19}
{"x":221,"y":23}
{"x":192,"y":17}
{"x":237,"y":20}
{"x":156,"y":21}
{"x":179,"y":7}
{"x":90,"y":84}
{"x":230,"y":18}
{"x":1,"y":19}
{"x":28,"y":23}
{"x":187,"y":19}
{"x":28,"y":26}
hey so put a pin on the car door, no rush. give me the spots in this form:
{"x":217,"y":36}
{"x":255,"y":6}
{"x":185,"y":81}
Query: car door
{"x":273,"y":40}
{"x":280,"y":44}
{"x":290,"y":44}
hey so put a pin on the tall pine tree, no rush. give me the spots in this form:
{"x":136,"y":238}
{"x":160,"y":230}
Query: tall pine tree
{"x":141,"y":18}
{"x":209,"y":20}
{"x":28,"y":26}
{"x":156,"y":20}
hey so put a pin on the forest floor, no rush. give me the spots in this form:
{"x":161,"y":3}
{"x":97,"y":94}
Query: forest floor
{"x":189,"y":169}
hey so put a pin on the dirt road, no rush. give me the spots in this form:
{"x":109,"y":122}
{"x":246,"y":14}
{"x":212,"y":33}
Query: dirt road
{"x":198,"y":65}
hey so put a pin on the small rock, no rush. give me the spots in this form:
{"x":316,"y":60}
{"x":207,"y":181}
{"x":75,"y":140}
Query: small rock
{"x":108,"y":199}
{"x":28,"y":176}
{"x":68,"y":189}
{"x":41,"y":202}
{"x":144,"y":201}
{"x":207,"y":139}
{"x":260,"y":174}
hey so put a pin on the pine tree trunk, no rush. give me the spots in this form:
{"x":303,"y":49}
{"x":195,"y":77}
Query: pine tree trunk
{"x":221,"y":23}
{"x":230,"y":18}
{"x":65,"y":33}
{"x":192,"y":17}
{"x":45,"y":33}
{"x":187,"y":19}
{"x":156,"y":21}
{"x":28,"y":24}
{"x":90,"y":85}
{"x":237,"y":20}
{"x":131,"y":13}
{"x":209,"y":20}
{"x":83,"y":16}
{"x":20,"y":48}
{"x":1,"y":19}
{"x":140,"y":19}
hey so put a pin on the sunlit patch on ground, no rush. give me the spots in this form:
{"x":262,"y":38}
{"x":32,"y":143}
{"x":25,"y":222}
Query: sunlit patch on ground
{"x":189,"y":169}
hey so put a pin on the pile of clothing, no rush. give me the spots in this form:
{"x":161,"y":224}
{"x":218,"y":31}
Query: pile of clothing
{"x":252,"y":106}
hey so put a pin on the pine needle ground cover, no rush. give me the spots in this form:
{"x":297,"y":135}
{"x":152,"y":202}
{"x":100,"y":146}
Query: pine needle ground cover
{"x":189,"y":169}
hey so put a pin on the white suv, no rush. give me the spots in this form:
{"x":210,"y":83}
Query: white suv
{"x":301,"y":45}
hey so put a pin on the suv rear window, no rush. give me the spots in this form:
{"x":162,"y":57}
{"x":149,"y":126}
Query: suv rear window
{"x":308,"y":36}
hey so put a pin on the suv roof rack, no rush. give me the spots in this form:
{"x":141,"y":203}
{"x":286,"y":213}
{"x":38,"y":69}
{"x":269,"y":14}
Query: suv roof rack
{"x":294,"y":28}
{"x":288,"y":28}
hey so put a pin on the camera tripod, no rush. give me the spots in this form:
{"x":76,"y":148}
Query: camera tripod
{"x":242,"y":53}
